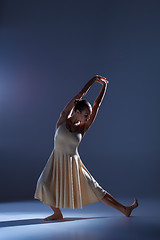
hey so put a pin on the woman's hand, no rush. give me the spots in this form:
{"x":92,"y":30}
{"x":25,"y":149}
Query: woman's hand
{"x":100,"y":79}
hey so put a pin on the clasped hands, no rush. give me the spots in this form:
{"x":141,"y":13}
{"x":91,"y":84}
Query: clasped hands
{"x":100,"y":79}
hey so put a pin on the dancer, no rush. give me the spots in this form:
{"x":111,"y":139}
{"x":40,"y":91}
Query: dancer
{"x":65,"y":182}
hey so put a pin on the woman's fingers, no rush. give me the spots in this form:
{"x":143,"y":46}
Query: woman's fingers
{"x":100,"y":77}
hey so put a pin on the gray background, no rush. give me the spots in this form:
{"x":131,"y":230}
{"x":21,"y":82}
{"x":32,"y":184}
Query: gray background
{"x":48,"y":52}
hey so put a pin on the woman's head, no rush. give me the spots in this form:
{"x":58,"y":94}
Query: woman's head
{"x":83,"y":108}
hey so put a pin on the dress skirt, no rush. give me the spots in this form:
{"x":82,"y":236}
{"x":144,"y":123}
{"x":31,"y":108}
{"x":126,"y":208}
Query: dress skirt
{"x":66,"y":183}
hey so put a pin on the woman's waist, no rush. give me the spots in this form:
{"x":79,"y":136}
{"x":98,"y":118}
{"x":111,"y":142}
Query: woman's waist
{"x":66,"y":150}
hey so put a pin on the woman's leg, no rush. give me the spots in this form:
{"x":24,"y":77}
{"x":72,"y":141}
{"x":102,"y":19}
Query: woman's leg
{"x":108,"y":199}
{"x":56,"y":216}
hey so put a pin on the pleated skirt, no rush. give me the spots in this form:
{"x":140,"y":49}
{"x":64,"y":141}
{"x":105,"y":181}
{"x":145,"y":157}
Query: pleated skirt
{"x":66,"y":183}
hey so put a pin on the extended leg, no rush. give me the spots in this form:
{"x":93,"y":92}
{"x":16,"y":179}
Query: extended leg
{"x":56,"y":216}
{"x":108,"y":199}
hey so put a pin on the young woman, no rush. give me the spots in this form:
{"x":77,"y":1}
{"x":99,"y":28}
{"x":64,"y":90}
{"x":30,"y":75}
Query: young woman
{"x":65,"y":182}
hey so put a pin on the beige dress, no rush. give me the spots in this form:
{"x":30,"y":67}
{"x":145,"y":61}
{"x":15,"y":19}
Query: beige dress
{"x":65,"y":182}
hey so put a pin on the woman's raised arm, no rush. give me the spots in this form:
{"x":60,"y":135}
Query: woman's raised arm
{"x":100,"y":96}
{"x":96,"y":103}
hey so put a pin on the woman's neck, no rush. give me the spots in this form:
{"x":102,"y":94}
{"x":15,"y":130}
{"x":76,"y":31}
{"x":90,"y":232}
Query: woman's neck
{"x":74,"y":121}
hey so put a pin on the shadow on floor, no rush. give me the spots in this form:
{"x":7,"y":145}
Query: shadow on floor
{"x":41,"y":221}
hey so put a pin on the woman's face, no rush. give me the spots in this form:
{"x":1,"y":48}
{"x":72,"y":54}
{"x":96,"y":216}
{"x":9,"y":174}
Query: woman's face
{"x":84,"y":115}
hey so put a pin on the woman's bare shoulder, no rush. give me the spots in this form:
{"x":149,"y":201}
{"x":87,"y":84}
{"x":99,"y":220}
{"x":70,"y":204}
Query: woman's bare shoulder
{"x":82,"y":129}
{"x":59,"y":122}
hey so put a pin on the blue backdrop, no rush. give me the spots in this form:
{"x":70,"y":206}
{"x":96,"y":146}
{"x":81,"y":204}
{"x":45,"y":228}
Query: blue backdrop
{"x":48,"y":51}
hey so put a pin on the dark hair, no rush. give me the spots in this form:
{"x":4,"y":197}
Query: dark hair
{"x":81,"y":105}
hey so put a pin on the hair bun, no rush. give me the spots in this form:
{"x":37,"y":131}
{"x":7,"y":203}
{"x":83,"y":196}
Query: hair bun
{"x":76,"y":101}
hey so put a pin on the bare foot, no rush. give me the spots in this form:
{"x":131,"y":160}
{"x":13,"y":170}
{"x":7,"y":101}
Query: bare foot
{"x":55,"y":216}
{"x":129,"y":209}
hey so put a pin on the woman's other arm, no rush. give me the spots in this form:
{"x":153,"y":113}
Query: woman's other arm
{"x":66,"y":111}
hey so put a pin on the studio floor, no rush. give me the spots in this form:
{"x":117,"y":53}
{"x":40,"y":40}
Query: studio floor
{"x":24,"y":221}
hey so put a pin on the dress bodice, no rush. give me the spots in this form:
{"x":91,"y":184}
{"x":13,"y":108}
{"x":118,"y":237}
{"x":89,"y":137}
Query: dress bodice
{"x":66,"y":141}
